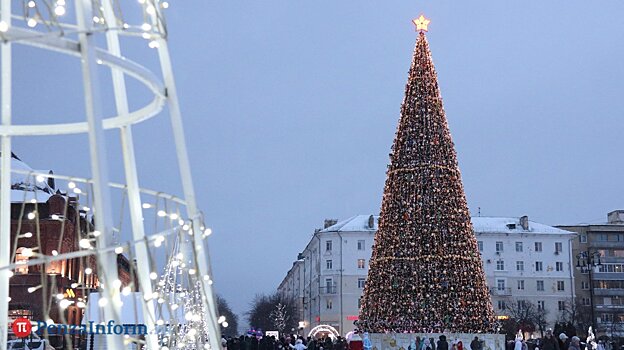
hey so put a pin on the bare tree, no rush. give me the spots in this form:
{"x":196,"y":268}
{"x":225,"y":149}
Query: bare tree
{"x":541,"y":319}
{"x":523,"y":314}
{"x":280,"y":317}
{"x":576,"y":314}
{"x":262,"y":308}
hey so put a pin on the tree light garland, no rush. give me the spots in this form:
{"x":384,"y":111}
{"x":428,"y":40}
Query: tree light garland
{"x":425,"y":272}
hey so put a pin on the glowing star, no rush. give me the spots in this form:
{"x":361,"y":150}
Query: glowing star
{"x":421,"y":23}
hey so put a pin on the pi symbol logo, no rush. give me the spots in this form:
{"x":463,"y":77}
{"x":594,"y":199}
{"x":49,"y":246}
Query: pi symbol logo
{"x":22,"y":327}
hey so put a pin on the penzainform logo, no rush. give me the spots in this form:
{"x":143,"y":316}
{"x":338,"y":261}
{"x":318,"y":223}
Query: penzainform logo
{"x":24,"y":326}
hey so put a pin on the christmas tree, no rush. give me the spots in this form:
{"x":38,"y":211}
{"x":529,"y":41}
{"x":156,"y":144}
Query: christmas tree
{"x":425,"y":273}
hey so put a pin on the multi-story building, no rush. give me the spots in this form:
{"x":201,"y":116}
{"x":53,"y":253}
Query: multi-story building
{"x":525,"y":261}
{"x":328,"y":278}
{"x":56,"y":226}
{"x":600,"y":282}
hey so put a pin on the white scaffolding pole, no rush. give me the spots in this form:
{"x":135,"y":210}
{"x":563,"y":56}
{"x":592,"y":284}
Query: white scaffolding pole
{"x":187,"y":186}
{"x":132,"y":180}
{"x":5,"y":179}
{"x":107,"y":261}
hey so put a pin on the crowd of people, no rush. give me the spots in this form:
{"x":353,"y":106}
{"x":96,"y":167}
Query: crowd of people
{"x":355,"y":342}
{"x":563,"y":342}
{"x":288,"y":342}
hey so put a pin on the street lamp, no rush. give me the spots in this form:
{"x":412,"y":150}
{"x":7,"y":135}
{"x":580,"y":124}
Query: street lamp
{"x":585,"y":262}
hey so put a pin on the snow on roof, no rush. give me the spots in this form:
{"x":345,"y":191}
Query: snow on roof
{"x":481,"y":224}
{"x":356,"y":223}
{"x":484,"y":224}
{"x":23,"y":185}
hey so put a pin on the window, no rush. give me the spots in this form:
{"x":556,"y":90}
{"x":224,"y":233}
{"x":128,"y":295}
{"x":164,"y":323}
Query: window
{"x":499,"y":247}
{"x":480,"y":245}
{"x":561,"y":305}
{"x":521,"y":304}
{"x":328,"y":264}
{"x":520,"y":284}
{"x":538,"y":246}
{"x":611,"y":268}
{"x":501,"y":305}
{"x":519,"y":246}
{"x":361,"y":244}
{"x":558,"y":247}
{"x":584,"y":285}
{"x":583,"y":238}
{"x":361,"y":282}
{"x":559,"y":265}
{"x":359,"y":303}
{"x":329,"y":304}
{"x":21,"y":258}
{"x":561,"y":286}
{"x":519,"y":265}
{"x":585,"y":301}
{"x":540,"y":286}
{"x":500,"y":284}
{"x":500,"y":265}
{"x":361,"y":263}
{"x":606,"y":318}
{"x":539,"y":266}
{"x":328,"y":246}
{"x":540,"y":305}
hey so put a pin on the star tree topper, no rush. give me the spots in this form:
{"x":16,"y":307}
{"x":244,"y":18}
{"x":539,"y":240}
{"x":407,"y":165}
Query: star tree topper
{"x":421,"y":23}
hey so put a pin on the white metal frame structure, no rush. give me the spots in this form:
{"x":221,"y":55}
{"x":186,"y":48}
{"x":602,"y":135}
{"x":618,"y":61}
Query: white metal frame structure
{"x":164,"y":93}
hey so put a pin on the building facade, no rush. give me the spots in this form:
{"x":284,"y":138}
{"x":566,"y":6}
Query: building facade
{"x":45,"y":222}
{"x":328,"y":278}
{"x":526,"y":262}
{"x":600,"y":286}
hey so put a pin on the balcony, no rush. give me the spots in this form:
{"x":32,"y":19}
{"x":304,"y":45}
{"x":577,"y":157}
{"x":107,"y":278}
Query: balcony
{"x":329,"y":289}
{"x":608,"y":292}
{"x":500,"y":291}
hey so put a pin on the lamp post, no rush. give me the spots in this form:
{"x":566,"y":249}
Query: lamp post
{"x":585,"y":262}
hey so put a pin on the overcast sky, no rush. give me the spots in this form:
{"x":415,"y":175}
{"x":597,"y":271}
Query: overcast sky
{"x":290,"y":109}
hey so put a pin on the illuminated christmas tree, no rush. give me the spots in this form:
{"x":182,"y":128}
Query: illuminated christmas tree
{"x":425,"y":273}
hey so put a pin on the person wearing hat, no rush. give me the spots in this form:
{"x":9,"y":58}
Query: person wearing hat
{"x":564,"y":341}
{"x":575,"y":343}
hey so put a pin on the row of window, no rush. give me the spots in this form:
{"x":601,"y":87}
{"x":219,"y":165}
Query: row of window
{"x":361,"y":264}
{"x":539,"y":285}
{"x":539,"y":265}
{"x":611,"y":268}
{"x":601,"y":284}
{"x":361,"y":245}
{"x":522,"y":304}
{"x":612,"y":253}
{"x":609,"y":237}
{"x":538,"y":247}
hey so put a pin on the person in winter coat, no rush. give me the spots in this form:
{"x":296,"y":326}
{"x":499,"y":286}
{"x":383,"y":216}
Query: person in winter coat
{"x":356,"y":342}
{"x":549,"y":342}
{"x":518,"y":344}
{"x":366,"y":342}
{"x":412,"y":345}
{"x":426,"y":344}
{"x":564,"y":341}
{"x":575,"y":343}
{"x":298,"y":345}
{"x":442,"y":343}
{"x":475,"y":344}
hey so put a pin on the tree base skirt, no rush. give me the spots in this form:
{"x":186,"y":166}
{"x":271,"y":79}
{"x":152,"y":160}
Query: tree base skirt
{"x":401,"y":341}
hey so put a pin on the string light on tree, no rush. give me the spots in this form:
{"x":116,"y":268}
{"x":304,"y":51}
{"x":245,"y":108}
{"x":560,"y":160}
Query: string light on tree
{"x":425,"y":273}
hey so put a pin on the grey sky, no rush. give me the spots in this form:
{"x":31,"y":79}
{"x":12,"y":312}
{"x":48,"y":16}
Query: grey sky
{"x":290,"y":109}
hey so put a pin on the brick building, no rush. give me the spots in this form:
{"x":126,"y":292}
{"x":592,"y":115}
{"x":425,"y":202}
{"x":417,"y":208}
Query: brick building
{"x":46,"y":223}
